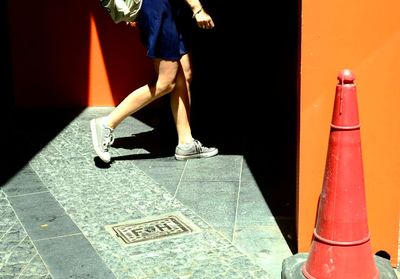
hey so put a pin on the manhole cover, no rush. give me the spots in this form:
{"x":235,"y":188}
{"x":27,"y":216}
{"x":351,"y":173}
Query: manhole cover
{"x":152,"y":228}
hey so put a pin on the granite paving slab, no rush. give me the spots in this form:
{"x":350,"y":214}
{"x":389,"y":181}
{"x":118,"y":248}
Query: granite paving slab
{"x":19,"y":258}
{"x":95,"y":196}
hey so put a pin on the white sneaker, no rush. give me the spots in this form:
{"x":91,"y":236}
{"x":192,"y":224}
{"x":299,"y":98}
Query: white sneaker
{"x":194,"y":150}
{"x":102,"y":139}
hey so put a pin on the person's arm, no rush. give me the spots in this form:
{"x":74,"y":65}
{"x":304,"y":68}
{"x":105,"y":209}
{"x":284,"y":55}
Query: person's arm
{"x":202,"y":18}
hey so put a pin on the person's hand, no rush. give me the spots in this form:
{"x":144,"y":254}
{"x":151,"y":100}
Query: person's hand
{"x":203,"y":19}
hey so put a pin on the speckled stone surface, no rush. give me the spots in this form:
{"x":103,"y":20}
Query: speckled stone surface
{"x":18,"y":256}
{"x":93,"y":196}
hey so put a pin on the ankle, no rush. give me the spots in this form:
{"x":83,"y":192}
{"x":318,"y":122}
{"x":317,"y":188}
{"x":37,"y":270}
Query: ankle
{"x":186,"y":142}
{"x":106,"y":123}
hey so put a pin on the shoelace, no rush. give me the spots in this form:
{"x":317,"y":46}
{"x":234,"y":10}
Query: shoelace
{"x":199,"y":147}
{"x":108,"y":138}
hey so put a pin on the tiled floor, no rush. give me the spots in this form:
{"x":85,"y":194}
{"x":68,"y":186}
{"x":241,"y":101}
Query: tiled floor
{"x":55,"y":207}
{"x":56,"y":202}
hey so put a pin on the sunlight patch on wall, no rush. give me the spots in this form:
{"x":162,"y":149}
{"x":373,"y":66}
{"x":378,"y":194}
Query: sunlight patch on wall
{"x":99,"y":91}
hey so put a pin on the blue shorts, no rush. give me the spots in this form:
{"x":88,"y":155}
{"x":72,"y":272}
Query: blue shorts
{"x":161,"y":30}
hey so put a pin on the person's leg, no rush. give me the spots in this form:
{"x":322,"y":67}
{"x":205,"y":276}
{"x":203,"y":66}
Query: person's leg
{"x":186,"y":64}
{"x":102,"y":128}
{"x":180,"y":101}
{"x":165,"y":82}
{"x":187,"y":147}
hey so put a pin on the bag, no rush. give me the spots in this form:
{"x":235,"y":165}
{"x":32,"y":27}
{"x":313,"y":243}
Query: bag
{"x":122,"y":10}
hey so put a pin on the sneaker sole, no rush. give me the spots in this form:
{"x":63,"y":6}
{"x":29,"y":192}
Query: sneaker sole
{"x":96,"y":143}
{"x":196,"y":156}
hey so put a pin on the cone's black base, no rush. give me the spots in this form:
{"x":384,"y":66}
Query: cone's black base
{"x":291,"y":267}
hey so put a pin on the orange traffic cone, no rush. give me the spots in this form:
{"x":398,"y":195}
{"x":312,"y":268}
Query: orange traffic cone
{"x":341,"y":248}
{"x":341,"y":244}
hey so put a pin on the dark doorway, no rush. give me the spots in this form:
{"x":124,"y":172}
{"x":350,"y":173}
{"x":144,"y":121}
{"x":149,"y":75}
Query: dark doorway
{"x":245,"y":94}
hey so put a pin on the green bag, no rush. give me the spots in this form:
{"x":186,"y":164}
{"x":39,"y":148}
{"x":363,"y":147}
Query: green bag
{"x":122,"y":10}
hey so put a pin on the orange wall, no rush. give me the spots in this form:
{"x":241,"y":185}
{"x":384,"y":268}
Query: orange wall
{"x":363,"y":36}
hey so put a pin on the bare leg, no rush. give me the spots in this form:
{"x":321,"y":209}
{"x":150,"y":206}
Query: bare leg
{"x":172,"y":77}
{"x":164,"y":83}
{"x":186,"y":64}
{"x":180,"y":101}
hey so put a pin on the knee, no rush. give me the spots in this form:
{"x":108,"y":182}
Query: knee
{"x":163,"y":88}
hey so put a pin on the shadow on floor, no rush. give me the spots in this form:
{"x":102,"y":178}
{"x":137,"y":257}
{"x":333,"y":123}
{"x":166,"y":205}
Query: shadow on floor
{"x":26,"y":132}
{"x":269,"y":148}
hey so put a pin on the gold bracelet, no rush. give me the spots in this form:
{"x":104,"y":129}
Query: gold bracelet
{"x":196,"y":13}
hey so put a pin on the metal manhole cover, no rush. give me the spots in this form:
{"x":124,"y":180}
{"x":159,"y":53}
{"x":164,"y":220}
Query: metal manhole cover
{"x":152,"y":228}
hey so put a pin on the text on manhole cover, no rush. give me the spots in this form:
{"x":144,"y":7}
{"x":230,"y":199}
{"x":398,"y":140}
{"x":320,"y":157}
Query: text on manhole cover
{"x":151,"y":229}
